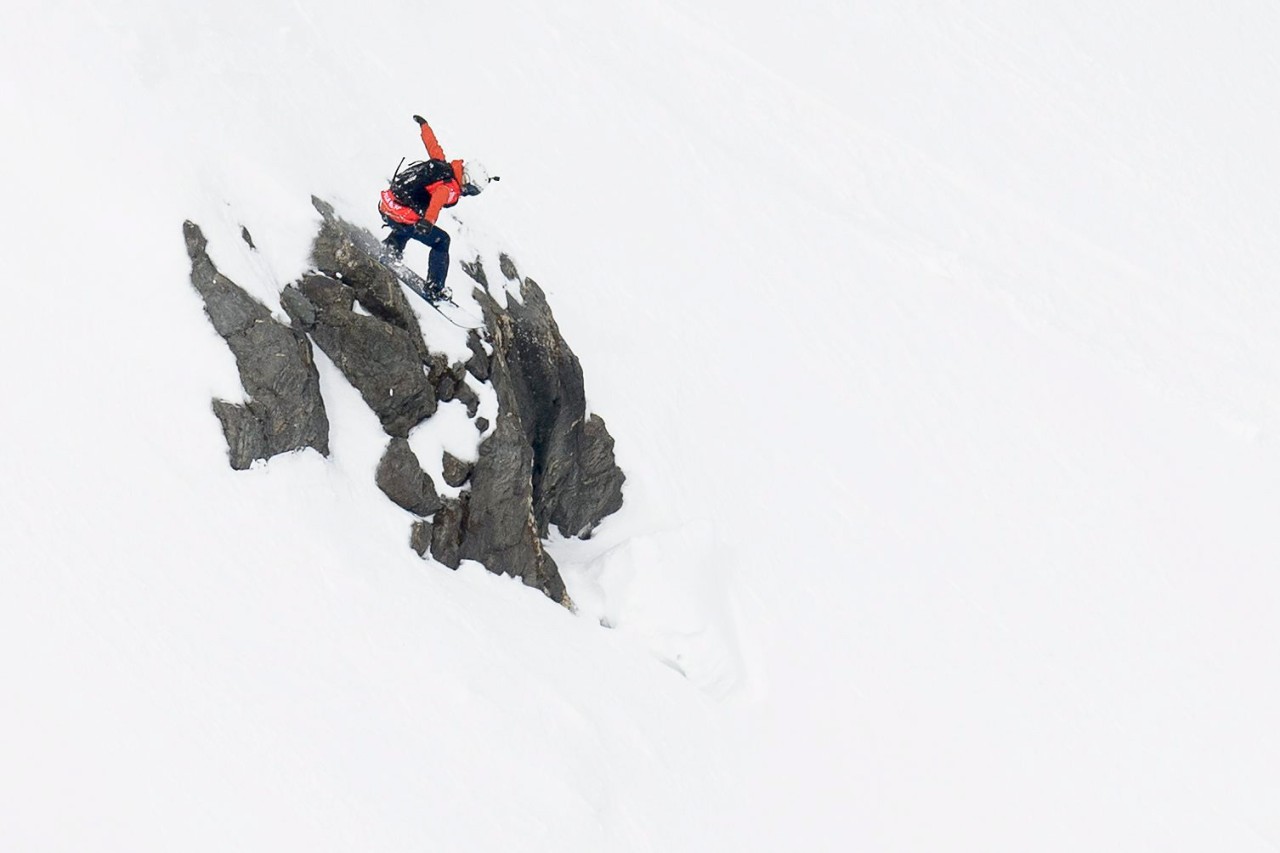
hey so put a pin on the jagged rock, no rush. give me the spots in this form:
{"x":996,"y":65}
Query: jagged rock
{"x":478,"y":364}
{"x":247,"y":238}
{"x":546,"y":462}
{"x":597,"y":489}
{"x":446,"y":532}
{"x":499,"y":529}
{"x":576,"y":481}
{"x":299,"y":309}
{"x":437,"y":368}
{"x":456,"y":472}
{"x":466,"y":395}
{"x":351,"y":254}
{"x":401,"y":478}
{"x":244,"y":431}
{"x":420,"y":537}
{"x":475,"y":269}
{"x":508,"y":267}
{"x":378,"y":358}
{"x":284,"y":410}
{"x":446,"y":388}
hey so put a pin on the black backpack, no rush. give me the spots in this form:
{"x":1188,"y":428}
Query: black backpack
{"x":410,"y":183}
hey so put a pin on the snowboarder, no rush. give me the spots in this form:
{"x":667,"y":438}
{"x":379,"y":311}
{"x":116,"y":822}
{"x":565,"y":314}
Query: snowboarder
{"x":418,"y":192}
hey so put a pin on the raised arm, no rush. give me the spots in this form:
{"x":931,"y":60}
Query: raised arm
{"x":434,"y":151}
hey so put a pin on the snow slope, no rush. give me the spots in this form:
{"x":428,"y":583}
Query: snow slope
{"x":938,"y":341}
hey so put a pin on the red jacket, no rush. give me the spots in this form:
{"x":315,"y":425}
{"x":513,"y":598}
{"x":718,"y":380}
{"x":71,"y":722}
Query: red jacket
{"x":443,"y":193}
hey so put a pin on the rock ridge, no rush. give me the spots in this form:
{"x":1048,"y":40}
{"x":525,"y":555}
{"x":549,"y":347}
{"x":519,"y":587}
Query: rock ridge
{"x":542,"y":463}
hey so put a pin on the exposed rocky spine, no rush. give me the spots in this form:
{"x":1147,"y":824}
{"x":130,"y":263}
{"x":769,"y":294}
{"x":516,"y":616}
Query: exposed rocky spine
{"x":545,"y":463}
{"x":576,"y":482}
{"x":499,"y":528}
{"x":283,"y":410}
{"x":343,"y":251}
{"x":379,"y":358}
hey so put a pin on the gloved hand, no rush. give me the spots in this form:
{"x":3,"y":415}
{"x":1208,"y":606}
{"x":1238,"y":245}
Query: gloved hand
{"x":420,"y":120}
{"x":423,"y":227}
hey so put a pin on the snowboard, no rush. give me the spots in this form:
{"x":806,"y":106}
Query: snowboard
{"x":379,"y":253}
{"x":412,"y":280}
{"x":436,"y":298}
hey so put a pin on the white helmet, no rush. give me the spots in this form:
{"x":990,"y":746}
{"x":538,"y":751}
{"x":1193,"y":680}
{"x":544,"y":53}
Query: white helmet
{"x":475,"y":176}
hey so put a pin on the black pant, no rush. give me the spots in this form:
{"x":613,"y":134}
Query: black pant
{"x":428,"y":235}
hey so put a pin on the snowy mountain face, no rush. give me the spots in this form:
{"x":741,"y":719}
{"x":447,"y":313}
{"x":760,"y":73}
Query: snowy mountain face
{"x":938,"y":344}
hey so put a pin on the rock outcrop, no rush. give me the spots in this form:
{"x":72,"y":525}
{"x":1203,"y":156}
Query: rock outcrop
{"x":499,"y":527}
{"x":545,"y":463}
{"x":455,"y":471}
{"x":401,"y":478}
{"x":379,"y":358}
{"x":283,"y":410}
{"x":343,"y":251}
{"x":446,"y":533}
{"x":576,"y":482}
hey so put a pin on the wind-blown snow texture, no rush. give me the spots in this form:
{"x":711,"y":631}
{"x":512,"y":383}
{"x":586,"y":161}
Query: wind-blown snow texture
{"x":939,"y":344}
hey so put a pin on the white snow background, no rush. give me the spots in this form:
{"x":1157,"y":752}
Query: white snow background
{"x":941,"y":344}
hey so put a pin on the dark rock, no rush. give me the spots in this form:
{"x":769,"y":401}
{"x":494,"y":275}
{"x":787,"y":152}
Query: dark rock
{"x":401,"y":478}
{"x":576,"y":481}
{"x":500,"y":530}
{"x":456,"y":472}
{"x":247,"y":238}
{"x":478,"y":364}
{"x":342,"y":250}
{"x":446,"y":533}
{"x":546,"y":464}
{"x":378,"y":358}
{"x":244,"y":431}
{"x":230,"y":309}
{"x":475,"y":269}
{"x":508,"y":267}
{"x":299,"y":309}
{"x":420,"y":537}
{"x":466,"y":395}
{"x":326,"y":294}
{"x":437,"y":368}
{"x":446,"y":388}
{"x":284,"y":410}
{"x":597,"y":489}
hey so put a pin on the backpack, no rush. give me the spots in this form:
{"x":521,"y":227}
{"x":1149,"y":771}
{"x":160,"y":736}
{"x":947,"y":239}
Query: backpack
{"x":410,"y":183}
